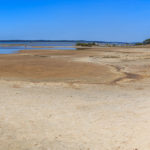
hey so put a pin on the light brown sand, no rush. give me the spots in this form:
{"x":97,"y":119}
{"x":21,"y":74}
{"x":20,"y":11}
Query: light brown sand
{"x":107,"y":110}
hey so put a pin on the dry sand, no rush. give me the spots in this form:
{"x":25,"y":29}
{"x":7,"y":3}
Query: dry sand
{"x":95,"y":99}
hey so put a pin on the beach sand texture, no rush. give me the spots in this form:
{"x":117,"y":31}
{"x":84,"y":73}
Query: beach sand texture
{"x":94,"y":99}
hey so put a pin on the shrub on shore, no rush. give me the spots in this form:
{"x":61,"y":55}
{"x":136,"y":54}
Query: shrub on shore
{"x":86,"y":44}
{"x":137,"y":44}
{"x":147,"y":41}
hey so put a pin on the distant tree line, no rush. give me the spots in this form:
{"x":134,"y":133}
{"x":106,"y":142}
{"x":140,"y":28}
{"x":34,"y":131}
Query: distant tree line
{"x":147,"y":41}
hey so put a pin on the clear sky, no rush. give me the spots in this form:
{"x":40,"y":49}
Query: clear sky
{"x":104,"y":20}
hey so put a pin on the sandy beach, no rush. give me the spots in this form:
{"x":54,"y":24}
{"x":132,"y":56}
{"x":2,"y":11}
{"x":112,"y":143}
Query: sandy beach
{"x":88,"y":99}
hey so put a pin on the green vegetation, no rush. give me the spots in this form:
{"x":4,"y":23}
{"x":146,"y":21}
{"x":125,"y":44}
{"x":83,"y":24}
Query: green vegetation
{"x":114,"y":45}
{"x":111,"y":45}
{"x":86,"y":44}
{"x":147,"y":41}
{"x":111,"y":57}
{"x":108,"y":45}
{"x":137,"y":44}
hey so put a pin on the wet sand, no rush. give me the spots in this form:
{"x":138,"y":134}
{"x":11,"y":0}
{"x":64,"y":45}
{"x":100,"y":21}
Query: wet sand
{"x":40,"y":66}
{"x":88,"y":99}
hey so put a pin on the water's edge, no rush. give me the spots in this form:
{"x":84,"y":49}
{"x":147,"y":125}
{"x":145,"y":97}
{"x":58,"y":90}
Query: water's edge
{"x":14,"y":47}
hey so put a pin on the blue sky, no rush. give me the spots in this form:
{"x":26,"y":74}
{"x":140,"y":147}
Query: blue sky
{"x":104,"y":20}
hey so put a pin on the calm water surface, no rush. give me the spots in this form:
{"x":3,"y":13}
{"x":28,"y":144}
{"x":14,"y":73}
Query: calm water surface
{"x":14,"y":47}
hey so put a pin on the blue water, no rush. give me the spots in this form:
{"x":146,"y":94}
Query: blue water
{"x":8,"y":51}
{"x":42,"y":43}
{"x":5,"y":48}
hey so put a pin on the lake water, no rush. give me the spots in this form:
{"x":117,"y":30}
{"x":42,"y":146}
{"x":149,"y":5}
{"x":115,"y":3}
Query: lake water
{"x":14,"y":47}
